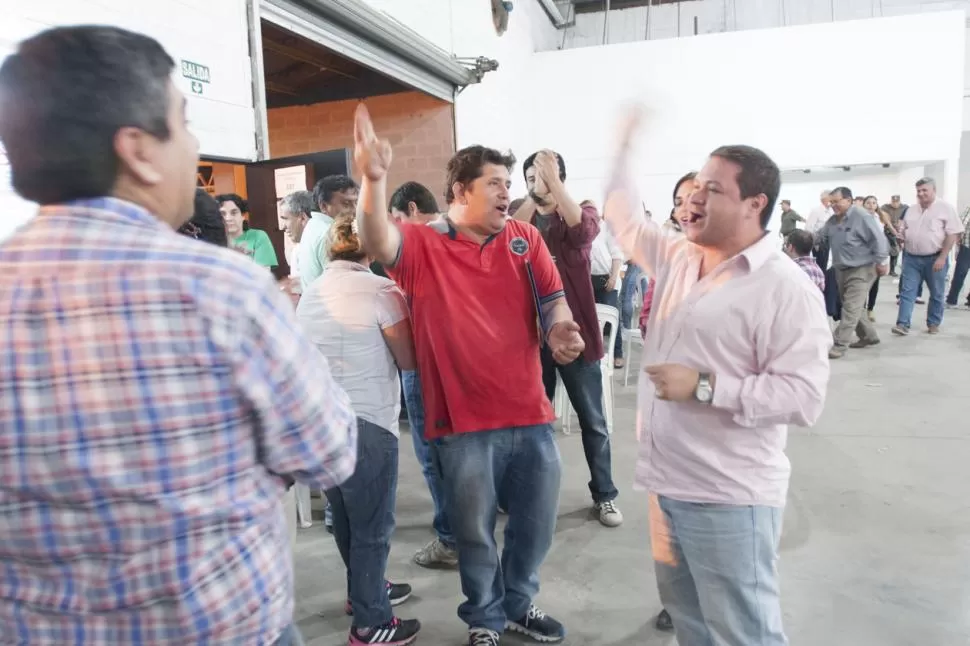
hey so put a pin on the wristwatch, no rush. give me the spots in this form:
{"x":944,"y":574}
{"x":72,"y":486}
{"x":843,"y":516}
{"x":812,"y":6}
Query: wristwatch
{"x":704,"y":391}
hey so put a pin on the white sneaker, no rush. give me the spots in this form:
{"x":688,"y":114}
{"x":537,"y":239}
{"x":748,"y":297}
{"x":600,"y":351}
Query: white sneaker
{"x":609,"y":513}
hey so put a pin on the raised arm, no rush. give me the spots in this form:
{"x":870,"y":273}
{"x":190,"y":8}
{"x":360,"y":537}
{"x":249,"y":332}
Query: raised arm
{"x":373,"y":158}
{"x":525,"y":212}
{"x":641,"y":240}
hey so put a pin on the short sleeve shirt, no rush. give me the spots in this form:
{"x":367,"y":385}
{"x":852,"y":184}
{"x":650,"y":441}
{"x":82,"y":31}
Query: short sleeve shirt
{"x":475,"y":321}
{"x":257,"y":245}
{"x":344,"y":313}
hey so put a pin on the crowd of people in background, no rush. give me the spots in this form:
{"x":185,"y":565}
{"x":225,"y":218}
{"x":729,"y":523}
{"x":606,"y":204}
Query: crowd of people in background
{"x":161,"y":391}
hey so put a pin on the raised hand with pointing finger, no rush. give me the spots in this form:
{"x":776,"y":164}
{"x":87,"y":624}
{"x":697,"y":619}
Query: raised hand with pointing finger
{"x":372,"y":155}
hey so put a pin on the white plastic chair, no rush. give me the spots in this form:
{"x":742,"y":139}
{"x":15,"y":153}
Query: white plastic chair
{"x":633,"y":332}
{"x":304,"y":514}
{"x":608,"y":315}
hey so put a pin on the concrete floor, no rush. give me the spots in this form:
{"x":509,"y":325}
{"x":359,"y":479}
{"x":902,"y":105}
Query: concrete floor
{"x":876,"y":547}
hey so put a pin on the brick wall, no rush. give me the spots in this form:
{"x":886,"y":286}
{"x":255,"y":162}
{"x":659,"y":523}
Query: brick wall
{"x":420,"y":129}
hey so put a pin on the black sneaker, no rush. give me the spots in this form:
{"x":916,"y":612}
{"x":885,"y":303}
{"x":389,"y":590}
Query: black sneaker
{"x":398,"y":593}
{"x":396,"y":632}
{"x":664,"y":622}
{"x":538,"y":626}
{"x":482,"y":637}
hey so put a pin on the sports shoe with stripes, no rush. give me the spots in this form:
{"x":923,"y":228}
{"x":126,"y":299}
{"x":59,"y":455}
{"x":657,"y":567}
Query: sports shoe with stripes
{"x":538,"y":626}
{"x":396,"y":632}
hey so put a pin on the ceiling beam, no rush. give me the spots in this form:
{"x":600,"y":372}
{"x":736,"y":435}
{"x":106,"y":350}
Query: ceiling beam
{"x":299,"y":55}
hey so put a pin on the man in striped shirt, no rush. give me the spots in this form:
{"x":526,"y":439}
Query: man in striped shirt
{"x":155,"y":391}
{"x":798,"y":246}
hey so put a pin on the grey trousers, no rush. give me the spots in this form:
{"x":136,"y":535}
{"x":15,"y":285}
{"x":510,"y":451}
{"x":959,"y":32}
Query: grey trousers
{"x":854,"y":284}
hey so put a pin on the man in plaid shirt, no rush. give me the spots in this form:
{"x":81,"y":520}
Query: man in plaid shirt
{"x":799,"y":245}
{"x":155,"y":392}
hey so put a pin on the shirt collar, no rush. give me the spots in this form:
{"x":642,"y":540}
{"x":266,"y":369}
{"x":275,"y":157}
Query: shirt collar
{"x":106,"y":208}
{"x":345,"y":265}
{"x":755,"y":255}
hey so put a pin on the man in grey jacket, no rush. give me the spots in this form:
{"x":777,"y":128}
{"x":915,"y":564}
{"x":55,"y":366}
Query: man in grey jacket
{"x":859,"y":250}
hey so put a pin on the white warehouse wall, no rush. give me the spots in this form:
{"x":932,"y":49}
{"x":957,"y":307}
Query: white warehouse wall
{"x":716,"y":16}
{"x":699,"y":97}
{"x":213,"y":33}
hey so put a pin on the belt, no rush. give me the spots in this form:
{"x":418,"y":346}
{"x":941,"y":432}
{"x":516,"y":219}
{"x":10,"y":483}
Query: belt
{"x":923,"y":255}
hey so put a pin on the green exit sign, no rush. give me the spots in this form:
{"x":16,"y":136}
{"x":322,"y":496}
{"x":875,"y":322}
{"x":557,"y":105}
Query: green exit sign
{"x":196,"y":72}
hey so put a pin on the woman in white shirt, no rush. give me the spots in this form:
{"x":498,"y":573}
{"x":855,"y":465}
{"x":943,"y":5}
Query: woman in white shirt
{"x":359,"y":321}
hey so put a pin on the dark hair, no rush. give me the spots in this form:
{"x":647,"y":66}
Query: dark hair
{"x":801,"y":241}
{"x":688,"y":177}
{"x":759,"y":175}
{"x":417,"y":193}
{"x":343,"y":243}
{"x":324,"y":189}
{"x":788,"y":202}
{"x":530,"y":161}
{"x":240,"y":203}
{"x":466,"y":165}
{"x":64,"y":95}
{"x":206,"y":223}
{"x":926,"y":180}
{"x":842,"y":191}
{"x":873,"y":197}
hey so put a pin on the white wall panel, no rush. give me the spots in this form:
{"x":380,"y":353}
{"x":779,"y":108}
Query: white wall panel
{"x":727,"y":88}
{"x":716,"y":16}
{"x":213,"y":33}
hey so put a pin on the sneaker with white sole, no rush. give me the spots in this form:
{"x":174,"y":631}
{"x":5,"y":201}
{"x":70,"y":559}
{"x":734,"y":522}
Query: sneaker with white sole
{"x":609,"y":514}
{"x":538,"y":626}
{"x":396,"y":632}
{"x":482,"y":637}
{"x":436,"y":555}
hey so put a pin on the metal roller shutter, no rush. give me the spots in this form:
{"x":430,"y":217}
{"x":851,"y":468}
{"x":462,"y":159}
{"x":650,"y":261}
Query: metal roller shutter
{"x":362,"y":34}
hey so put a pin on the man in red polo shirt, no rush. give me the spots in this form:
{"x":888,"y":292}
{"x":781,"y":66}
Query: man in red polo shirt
{"x":569,"y":230}
{"x":484,"y":293}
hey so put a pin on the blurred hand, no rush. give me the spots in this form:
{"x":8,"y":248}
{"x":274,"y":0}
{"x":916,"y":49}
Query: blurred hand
{"x":673,"y":381}
{"x":611,"y":283}
{"x":629,"y":125}
{"x":372,"y":155}
{"x":565,"y":342}
{"x":939,"y":264}
{"x":547,"y":169}
{"x":881,"y":270}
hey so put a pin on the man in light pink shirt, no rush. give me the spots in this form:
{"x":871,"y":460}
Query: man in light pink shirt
{"x":738,"y":350}
{"x":928,"y":231}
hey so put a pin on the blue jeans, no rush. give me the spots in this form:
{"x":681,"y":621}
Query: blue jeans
{"x":363,"y":520}
{"x":916,"y":271}
{"x":415,"y":405}
{"x":633,"y":280}
{"x":524,"y":465}
{"x":290,"y":637}
{"x":717,"y":571}
{"x":583,"y":381}
{"x":959,"y":275}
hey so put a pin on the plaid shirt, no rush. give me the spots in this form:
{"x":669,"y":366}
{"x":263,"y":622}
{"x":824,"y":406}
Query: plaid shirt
{"x":151,"y":386}
{"x":810,"y":267}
